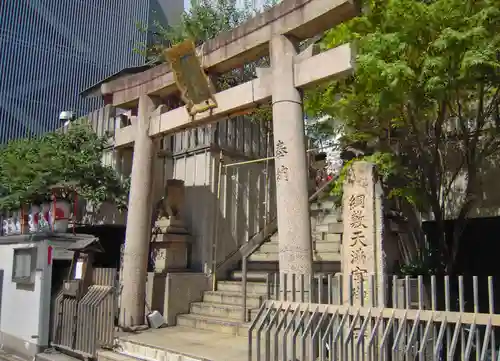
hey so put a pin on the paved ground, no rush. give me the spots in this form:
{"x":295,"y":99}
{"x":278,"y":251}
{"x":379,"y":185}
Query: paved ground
{"x":52,"y":355}
{"x":4,"y":356}
{"x":195,"y":343}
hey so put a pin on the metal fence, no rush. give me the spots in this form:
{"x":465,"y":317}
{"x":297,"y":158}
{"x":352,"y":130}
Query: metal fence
{"x":273,"y":280}
{"x":321,"y":287}
{"x":83,"y":326}
{"x":426,"y":318}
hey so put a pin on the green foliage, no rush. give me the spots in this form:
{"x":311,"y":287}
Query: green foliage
{"x":426,"y":92}
{"x":418,"y":267}
{"x":426,"y":263}
{"x":385,"y":163}
{"x":30,"y":168}
{"x":204,"y":20}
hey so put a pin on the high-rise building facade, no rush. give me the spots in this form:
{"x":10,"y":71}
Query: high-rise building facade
{"x":50,"y":50}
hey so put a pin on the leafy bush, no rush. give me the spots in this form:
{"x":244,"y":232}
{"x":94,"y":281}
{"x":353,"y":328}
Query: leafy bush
{"x":30,"y":168}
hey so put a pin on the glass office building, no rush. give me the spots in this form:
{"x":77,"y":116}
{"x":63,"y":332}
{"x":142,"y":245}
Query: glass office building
{"x":50,"y":50}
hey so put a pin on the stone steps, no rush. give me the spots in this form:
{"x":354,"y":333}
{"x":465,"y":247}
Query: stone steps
{"x":327,"y":232}
{"x":261,"y":275}
{"x":251,"y":275}
{"x":327,"y":217}
{"x":333,"y":227}
{"x":273,"y":266}
{"x":228,"y":298}
{"x":319,"y":246}
{"x":324,"y":251}
{"x":253,"y":288}
{"x":328,"y":238}
{"x":231,"y":312}
{"x":326,"y":205}
{"x":274,"y":257}
{"x":211,"y":323}
{"x":221,"y":310}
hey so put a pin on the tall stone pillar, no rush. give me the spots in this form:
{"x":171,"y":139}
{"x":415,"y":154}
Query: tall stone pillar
{"x":138,"y":232}
{"x":295,"y":251}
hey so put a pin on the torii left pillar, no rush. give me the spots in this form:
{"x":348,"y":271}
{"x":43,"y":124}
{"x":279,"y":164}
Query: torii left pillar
{"x":138,"y":232}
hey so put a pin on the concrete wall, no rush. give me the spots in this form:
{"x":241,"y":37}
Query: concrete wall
{"x":171,"y":294}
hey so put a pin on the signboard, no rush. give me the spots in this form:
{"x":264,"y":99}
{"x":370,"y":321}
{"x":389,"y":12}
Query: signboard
{"x":193,"y":83}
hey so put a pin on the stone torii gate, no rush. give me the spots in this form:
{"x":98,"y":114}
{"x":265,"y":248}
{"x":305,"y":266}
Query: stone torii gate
{"x":276,"y":31}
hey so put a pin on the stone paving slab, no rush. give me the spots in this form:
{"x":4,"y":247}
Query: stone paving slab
{"x":193,"y":343}
{"x":52,"y":355}
{"x":5,"y":356}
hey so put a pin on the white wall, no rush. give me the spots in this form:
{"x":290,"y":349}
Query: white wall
{"x":25,"y":309}
{"x":21,"y":305}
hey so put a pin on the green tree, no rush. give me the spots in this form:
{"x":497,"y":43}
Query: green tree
{"x":30,"y":168}
{"x":203,"y":21}
{"x":423,"y":104}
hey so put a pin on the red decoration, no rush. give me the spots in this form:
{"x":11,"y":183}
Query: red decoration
{"x":49,"y":255}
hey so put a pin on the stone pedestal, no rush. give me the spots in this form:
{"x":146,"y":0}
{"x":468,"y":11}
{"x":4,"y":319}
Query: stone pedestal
{"x":170,"y":252}
{"x":171,"y":245}
{"x":172,"y":225}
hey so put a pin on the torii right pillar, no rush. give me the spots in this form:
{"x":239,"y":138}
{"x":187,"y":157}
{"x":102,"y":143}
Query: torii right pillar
{"x":294,"y":224}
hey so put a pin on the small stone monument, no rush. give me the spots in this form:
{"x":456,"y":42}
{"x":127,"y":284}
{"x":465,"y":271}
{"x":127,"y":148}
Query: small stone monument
{"x":363,"y":253}
{"x":170,"y":238}
{"x":362,"y":248}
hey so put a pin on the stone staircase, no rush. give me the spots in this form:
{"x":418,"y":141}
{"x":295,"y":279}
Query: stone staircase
{"x":221,"y":310}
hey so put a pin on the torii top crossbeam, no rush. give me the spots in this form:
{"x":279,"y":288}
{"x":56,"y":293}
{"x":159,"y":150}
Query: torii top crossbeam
{"x":300,"y":19}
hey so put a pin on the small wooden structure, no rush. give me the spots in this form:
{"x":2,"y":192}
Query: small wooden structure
{"x":85,"y":308}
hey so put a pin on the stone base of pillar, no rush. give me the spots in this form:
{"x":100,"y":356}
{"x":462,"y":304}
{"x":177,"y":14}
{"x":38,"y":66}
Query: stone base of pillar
{"x":170,"y":252}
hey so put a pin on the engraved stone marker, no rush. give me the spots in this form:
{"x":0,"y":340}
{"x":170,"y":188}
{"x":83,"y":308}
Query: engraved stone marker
{"x":363,"y":229}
